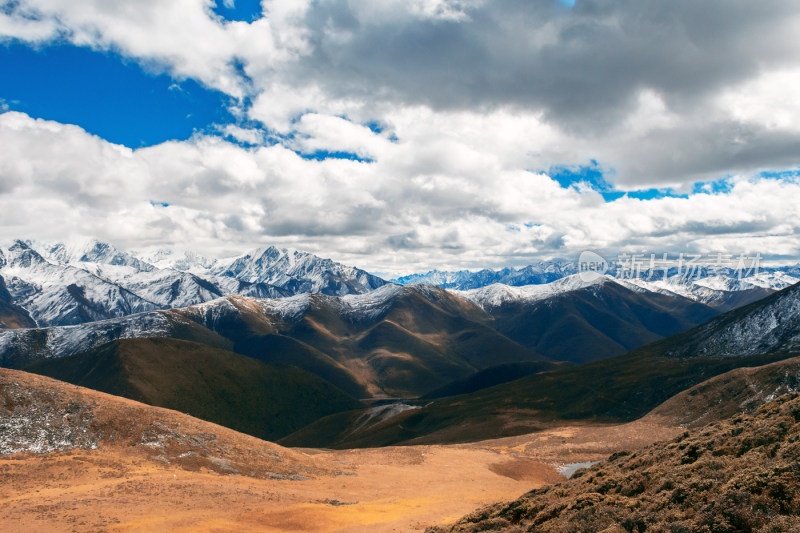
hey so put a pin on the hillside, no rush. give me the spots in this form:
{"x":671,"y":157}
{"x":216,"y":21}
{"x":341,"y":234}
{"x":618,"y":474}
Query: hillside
{"x":239,"y":392}
{"x":74,"y":459}
{"x":742,"y":390}
{"x":44,"y":416}
{"x":394,"y":341}
{"x":737,"y":475}
{"x":614,"y":390}
{"x":576,"y":321}
{"x":621,"y":388}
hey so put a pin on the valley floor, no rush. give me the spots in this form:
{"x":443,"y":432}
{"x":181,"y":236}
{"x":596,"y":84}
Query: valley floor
{"x":369,"y":490}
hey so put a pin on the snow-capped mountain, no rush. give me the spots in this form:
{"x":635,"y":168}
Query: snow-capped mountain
{"x":581,"y":320}
{"x":720,"y":292}
{"x":497,"y":294}
{"x":774,"y":278}
{"x":534,"y":274}
{"x":297,"y":272}
{"x":19,"y":347}
{"x":89,"y":251}
{"x":85,"y":280}
{"x":56,"y":294}
{"x":767,"y":326}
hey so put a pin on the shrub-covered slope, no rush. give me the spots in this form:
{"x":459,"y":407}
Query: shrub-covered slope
{"x":742,"y":474}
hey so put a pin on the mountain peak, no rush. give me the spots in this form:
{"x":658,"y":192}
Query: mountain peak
{"x":88,"y":250}
{"x":21,"y":255}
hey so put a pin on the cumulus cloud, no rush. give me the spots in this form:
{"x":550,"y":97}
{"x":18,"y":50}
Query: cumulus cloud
{"x":473,"y":211}
{"x":457,"y":109}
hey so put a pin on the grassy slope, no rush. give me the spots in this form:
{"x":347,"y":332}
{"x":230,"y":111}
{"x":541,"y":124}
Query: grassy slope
{"x":622,"y":388}
{"x":418,"y":345}
{"x":233,"y":390}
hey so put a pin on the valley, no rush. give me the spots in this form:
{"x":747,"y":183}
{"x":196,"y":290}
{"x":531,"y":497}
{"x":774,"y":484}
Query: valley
{"x":139,"y":468}
{"x":277,"y":391}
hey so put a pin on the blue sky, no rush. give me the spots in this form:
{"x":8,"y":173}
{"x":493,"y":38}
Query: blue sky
{"x":107,"y":95}
{"x":403,"y":136}
{"x":244,"y":10}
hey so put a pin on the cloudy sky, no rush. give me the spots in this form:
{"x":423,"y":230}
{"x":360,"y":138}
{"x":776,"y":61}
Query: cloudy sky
{"x":403,"y":135}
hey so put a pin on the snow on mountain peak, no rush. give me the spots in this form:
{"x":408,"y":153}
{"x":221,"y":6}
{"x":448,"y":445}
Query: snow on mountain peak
{"x":85,"y":279}
{"x":497,"y":294}
{"x":85,"y":250}
{"x":766,"y":327}
{"x":21,"y":255}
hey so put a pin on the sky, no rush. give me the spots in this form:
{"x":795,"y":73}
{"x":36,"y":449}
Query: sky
{"x":404,"y":135}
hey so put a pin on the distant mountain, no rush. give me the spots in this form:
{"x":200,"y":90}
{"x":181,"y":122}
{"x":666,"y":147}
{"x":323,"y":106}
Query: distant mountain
{"x":548,"y":271}
{"x":78,"y":281}
{"x":86,"y":280}
{"x":11,"y":315}
{"x":620,"y":388}
{"x":534,"y":274}
{"x":399,"y":341}
{"x":22,"y":347}
{"x":54,"y":294}
{"x":580,"y":321}
{"x":297,"y":272}
{"x":737,"y":475}
{"x":720,"y":292}
{"x":394,"y":341}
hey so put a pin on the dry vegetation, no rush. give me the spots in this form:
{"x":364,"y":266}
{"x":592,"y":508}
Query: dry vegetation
{"x":739,"y":475}
{"x":111,"y":464}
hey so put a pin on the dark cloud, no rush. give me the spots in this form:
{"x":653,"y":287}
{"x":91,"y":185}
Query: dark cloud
{"x":698,"y":152}
{"x":583,"y":67}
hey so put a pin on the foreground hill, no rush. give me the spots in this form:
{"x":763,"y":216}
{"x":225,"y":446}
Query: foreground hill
{"x":738,"y":475}
{"x":250,"y":396}
{"x":43,"y":416}
{"x":72,"y":459}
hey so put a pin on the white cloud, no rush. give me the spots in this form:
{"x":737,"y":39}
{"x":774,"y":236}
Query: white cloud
{"x":475,"y":100}
{"x":383,"y":215}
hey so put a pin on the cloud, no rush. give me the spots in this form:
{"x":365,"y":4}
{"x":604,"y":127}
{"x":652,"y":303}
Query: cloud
{"x":459,"y":107}
{"x":712,"y":81}
{"x":385,"y":216}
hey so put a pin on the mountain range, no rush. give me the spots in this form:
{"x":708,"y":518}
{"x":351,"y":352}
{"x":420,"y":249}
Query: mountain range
{"x":548,"y":271}
{"x":366,"y":349}
{"x":620,"y":388}
{"x":79,"y":281}
{"x":83,"y":281}
{"x":306,"y":352}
